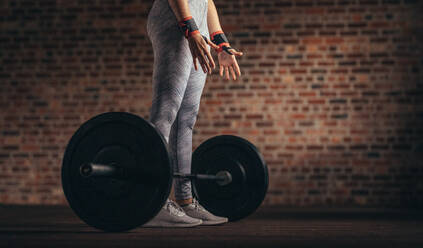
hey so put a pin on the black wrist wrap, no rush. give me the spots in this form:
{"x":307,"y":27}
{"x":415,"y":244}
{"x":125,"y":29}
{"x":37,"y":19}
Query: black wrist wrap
{"x":219,"y":38}
{"x":188,"y":26}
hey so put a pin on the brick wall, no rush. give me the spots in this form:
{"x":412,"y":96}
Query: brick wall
{"x":330,"y":92}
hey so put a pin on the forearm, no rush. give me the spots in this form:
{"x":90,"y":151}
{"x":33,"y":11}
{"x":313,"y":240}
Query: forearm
{"x":180,"y":8}
{"x":212,"y":18}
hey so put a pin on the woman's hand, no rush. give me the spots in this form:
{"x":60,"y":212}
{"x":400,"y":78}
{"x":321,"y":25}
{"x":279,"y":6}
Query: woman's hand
{"x":228,"y":62}
{"x":198,"y":47}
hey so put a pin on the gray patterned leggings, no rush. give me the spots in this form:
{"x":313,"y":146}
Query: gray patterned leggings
{"x":177,"y":86}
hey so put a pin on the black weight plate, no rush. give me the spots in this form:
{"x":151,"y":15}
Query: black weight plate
{"x":112,"y":204}
{"x":250,"y":180}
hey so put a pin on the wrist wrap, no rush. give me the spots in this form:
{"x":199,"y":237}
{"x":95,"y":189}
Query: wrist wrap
{"x":188,"y":26}
{"x":220,"y":39}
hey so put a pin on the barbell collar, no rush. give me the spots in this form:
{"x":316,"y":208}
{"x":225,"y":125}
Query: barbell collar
{"x":94,"y":170}
{"x":97,"y":170}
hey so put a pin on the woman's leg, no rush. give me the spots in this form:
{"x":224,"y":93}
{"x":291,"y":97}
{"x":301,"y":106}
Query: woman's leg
{"x":180,"y":140}
{"x":181,"y":133}
{"x":172,"y":67}
{"x":173,"y":63}
{"x":181,"y":148}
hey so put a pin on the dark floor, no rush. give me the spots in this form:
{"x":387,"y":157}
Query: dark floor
{"x":57,"y":226}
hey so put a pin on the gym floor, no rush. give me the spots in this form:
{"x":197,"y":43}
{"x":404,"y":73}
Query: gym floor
{"x":57,"y":226}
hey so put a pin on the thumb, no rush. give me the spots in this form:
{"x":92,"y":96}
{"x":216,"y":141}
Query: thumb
{"x":212,"y":44}
{"x":234,"y":52}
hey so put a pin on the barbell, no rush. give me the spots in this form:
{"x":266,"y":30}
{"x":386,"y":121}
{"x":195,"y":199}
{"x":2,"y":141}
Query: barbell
{"x":117,"y":173}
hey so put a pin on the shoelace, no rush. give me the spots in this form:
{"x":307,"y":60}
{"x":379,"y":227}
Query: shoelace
{"x":174,"y":208}
{"x":197,"y":204}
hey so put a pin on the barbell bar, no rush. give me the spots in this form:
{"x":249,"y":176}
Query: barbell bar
{"x":114,"y":170}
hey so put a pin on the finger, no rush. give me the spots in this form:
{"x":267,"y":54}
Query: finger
{"x":204,"y":68}
{"x":210,"y":58}
{"x":193,"y":58}
{"x":203,"y":63}
{"x":213,"y":45}
{"x":206,"y":63}
{"x":238,"y":71}
{"x":221,"y":70}
{"x":234,"y":52}
{"x":200,"y":60}
{"x":195,"y":64}
{"x":227,"y":72}
{"x":232,"y":72}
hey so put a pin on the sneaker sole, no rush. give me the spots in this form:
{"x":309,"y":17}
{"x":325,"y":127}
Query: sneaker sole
{"x":170,"y":225}
{"x":213,"y":223}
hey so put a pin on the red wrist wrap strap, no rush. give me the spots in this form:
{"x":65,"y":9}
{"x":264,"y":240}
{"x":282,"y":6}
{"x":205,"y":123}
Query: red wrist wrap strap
{"x":188,"y":26}
{"x":221,"y":45}
{"x":220,"y":39}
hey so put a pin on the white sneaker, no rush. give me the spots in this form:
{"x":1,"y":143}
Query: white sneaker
{"x":197,"y":211}
{"x":172,"y":215}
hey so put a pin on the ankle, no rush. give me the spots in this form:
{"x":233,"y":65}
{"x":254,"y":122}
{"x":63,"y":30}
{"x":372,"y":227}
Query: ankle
{"x":184,"y":202}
